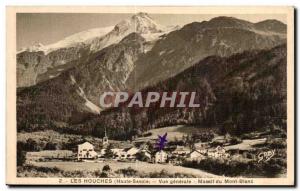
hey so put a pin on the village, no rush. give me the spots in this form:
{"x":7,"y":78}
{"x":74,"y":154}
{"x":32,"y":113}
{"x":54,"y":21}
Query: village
{"x":145,"y":151}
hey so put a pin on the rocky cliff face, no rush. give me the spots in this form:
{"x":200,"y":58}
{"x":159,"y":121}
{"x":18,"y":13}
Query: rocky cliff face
{"x":34,"y":67}
{"x":73,"y":95}
{"x":109,"y":68}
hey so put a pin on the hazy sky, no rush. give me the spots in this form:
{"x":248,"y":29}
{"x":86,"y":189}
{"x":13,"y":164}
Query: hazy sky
{"x":48,"y":28}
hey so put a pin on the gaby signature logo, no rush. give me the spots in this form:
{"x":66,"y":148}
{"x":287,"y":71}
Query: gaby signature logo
{"x":266,"y":156}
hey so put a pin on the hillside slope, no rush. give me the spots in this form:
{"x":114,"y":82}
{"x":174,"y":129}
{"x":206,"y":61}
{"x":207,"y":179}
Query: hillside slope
{"x":246,"y":91}
{"x":70,"y":97}
{"x":220,"y":36}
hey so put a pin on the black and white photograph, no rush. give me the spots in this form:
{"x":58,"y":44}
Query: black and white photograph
{"x":150,"y":96}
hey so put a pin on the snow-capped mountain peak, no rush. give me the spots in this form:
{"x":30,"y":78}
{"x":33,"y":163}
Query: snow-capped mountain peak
{"x":140,"y":23}
{"x":35,"y":48}
{"x":98,"y":38}
{"x":145,"y":24}
{"x":70,"y":41}
{"x":80,"y":37}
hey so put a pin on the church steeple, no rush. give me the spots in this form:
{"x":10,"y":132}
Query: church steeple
{"x":105,"y":138}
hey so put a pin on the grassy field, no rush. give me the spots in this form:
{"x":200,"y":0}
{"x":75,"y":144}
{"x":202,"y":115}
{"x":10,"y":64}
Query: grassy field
{"x":173,"y":132}
{"x":55,"y":137}
{"x":50,"y":135}
{"x":43,"y":137}
{"x":247,"y":144}
{"x":142,"y":167}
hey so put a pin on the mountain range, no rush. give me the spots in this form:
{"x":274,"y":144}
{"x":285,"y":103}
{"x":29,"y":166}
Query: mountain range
{"x":39,"y":62}
{"x":224,"y":58}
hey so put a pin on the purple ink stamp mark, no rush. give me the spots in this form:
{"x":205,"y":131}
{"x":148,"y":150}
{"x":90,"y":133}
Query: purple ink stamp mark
{"x":161,"y":142}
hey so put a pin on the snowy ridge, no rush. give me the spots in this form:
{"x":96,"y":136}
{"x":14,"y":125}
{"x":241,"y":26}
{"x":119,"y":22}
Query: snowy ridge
{"x":81,"y":37}
{"x":99,"y":38}
{"x":140,"y":23}
{"x":70,"y":41}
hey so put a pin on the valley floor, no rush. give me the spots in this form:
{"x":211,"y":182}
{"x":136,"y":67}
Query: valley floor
{"x":141,"y":167}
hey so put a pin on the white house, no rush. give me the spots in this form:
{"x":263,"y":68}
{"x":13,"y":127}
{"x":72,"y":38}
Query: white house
{"x":86,"y":151}
{"x":131,"y":152}
{"x":102,"y":152}
{"x":218,"y":152}
{"x":196,"y":155}
{"x":128,"y":153}
{"x":201,"y":145}
{"x":119,"y":153}
{"x":161,"y":157}
{"x":146,"y":153}
{"x":220,"y":149}
{"x":202,"y":151}
{"x":144,"y":146}
{"x":181,"y":150}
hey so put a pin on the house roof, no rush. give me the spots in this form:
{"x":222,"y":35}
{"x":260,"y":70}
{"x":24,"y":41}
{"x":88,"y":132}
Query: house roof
{"x":201,"y":145}
{"x":145,"y":151}
{"x":220,"y":148}
{"x":196,"y":152}
{"x":86,"y":144}
{"x":158,"y":152}
{"x":127,"y":149}
{"x":181,"y":149}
